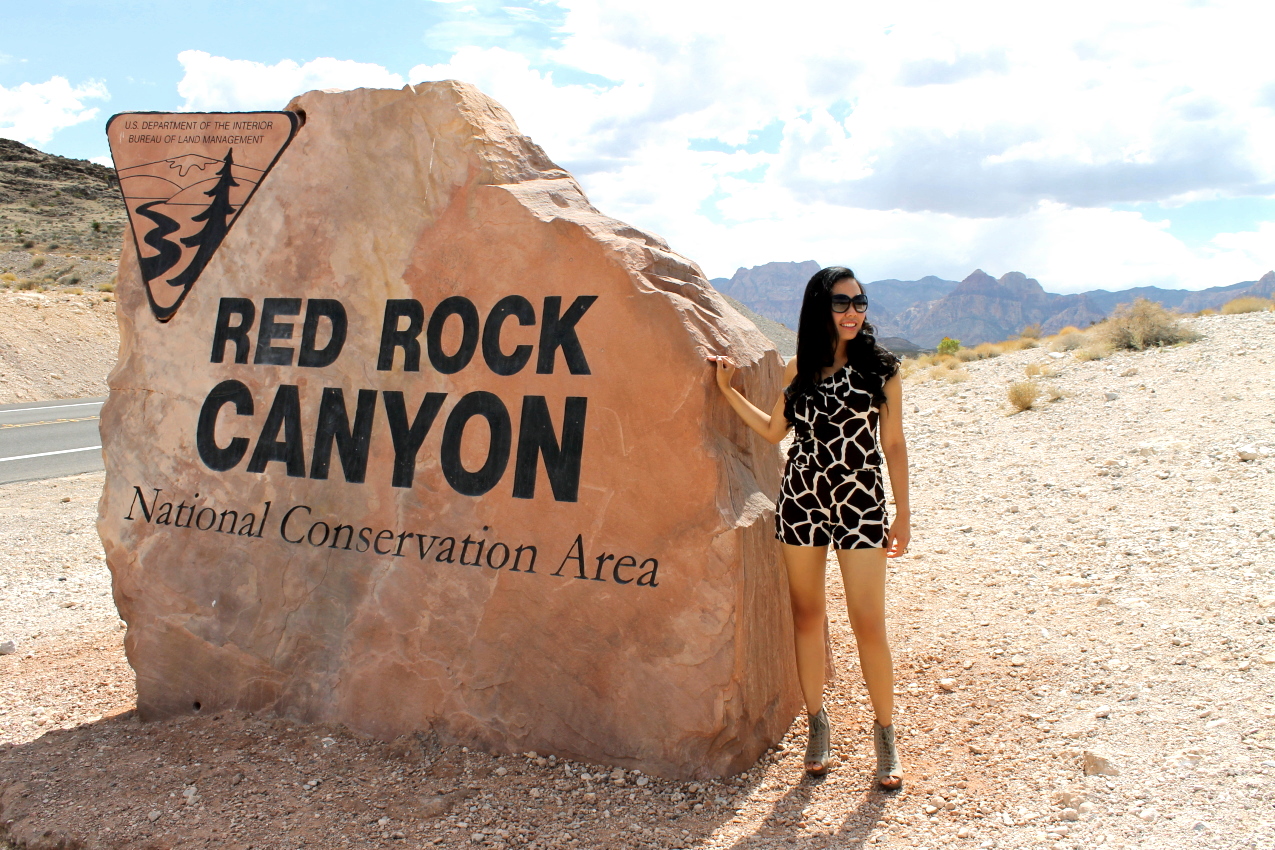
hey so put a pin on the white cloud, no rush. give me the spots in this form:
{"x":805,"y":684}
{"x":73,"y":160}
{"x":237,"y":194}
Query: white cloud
{"x":916,"y":137}
{"x":215,"y":83}
{"x":33,"y":112}
{"x":103,"y":160}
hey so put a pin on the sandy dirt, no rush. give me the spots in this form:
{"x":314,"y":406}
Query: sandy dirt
{"x":55,"y":344}
{"x":1089,"y":587}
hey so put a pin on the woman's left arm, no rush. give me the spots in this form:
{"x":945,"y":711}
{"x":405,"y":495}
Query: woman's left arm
{"x":895,"y":449}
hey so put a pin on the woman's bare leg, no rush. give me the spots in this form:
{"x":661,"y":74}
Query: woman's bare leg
{"x":806,"y":590}
{"x":863,"y":575}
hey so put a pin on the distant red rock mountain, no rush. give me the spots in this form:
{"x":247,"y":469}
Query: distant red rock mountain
{"x":980,"y":308}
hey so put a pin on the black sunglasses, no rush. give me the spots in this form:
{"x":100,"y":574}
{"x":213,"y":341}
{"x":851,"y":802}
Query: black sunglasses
{"x":842,"y":303}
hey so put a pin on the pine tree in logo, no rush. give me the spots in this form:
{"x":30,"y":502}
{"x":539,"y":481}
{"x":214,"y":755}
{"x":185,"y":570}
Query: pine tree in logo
{"x":217,"y":215}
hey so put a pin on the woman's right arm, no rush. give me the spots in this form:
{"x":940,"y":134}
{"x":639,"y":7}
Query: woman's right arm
{"x":771,"y":426}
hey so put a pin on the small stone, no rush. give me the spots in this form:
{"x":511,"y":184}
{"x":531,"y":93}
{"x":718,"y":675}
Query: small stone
{"x":1251,"y":452}
{"x":642,"y":781}
{"x":236,"y":779}
{"x":66,"y":498}
{"x":1213,"y":724}
{"x":948,"y":685}
{"x":153,"y":816}
{"x":1102,"y":711}
{"x":1149,"y":814}
{"x":500,"y":771}
{"x":1086,"y":808}
{"x":383,"y":822}
{"x":1245,"y":665}
{"x":477,"y":838}
{"x":1185,"y":759}
{"x":1097,"y":764}
{"x":1130,"y":372}
{"x":1112,"y":396}
{"x":1017,"y":661}
{"x":8,"y":648}
{"x":1070,"y":814}
{"x":397,"y":835}
{"x":964,"y":832}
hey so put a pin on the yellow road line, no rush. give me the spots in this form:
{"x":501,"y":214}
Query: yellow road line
{"x":50,"y":422}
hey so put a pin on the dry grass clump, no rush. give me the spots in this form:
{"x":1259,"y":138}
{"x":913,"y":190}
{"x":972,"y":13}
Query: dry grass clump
{"x":1247,"y":305}
{"x":1023,"y":394}
{"x":953,"y":375}
{"x":26,"y":285}
{"x":982,"y":351}
{"x":1069,"y":340}
{"x":1018,"y":344}
{"x":1093,"y":352}
{"x":106,"y":287}
{"x":935,"y":367}
{"x":1030,"y":332}
{"x":10,"y":277}
{"x":1141,"y":325}
{"x":1039,"y":370}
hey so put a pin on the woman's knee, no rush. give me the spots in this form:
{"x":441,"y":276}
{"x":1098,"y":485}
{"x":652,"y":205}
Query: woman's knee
{"x":806,"y":618}
{"x":869,"y":631}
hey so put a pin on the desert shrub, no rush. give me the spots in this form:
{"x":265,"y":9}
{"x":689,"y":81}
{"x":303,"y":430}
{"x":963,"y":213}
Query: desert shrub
{"x":1030,"y":332}
{"x":1093,"y":352}
{"x":1143,"y":324}
{"x":1247,"y":305}
{"x":26,"y":285}
{"x":965,"y":355}
{"x":30,"y":243}
{"x":37,"y":262}
{"x":1207,"y":311}
{"x":1069,"y":341}
{"x":1018,"y":344}
{"x":986,"y":350}
{"x":97,"y":226}
{"x":106,"y":287}
{"x":1023,"y":394}
{"x":951,"y":375}
{"x":947,"y":345}
{"x":1040,"y":370}
{"x":75,"y":290}
{"x":9,"y":276}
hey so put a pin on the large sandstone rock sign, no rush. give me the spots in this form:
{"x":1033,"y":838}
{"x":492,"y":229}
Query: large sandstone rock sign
{"x":431,"y":443}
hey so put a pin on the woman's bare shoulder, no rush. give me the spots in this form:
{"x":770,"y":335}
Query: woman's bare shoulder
{"x":790,"y":371}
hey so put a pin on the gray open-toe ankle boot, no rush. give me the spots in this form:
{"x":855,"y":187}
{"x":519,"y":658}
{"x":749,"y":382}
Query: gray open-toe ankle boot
{"x":889,"y":770}
{"x":819,"y":749}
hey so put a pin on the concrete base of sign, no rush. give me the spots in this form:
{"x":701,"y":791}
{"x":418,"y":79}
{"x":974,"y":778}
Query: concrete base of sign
{"x":432,"y":443}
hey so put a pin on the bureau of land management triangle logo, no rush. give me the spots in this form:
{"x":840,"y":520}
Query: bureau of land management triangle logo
{"x":185,"y":178}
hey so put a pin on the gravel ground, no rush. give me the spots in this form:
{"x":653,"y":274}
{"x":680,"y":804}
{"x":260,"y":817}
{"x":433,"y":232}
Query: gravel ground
{"x":1084,"y":640}
{"x":55,"y":344}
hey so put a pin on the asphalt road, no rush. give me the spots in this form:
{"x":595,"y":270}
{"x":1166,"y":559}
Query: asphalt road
{"x":49,"y":439}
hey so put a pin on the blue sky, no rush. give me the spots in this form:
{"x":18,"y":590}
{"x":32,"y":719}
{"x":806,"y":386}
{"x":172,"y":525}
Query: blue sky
{"x":1096,"y":145}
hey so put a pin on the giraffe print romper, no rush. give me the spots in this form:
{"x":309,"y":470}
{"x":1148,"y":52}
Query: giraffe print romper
{"x":832,"y":491}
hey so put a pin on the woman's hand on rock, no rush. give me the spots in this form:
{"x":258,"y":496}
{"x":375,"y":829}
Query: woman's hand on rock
{"x":725,"y":370}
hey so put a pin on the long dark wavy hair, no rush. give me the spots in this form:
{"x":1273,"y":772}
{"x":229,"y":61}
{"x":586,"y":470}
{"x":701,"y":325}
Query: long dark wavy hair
{"x":817,"y":343}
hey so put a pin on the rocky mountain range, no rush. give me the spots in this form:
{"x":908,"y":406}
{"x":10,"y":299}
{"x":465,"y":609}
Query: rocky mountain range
{"x":980,"y":308}
{"x":52,"y":200}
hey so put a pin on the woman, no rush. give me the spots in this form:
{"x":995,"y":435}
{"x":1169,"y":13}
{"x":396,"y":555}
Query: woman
{"x":842,"y":387}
